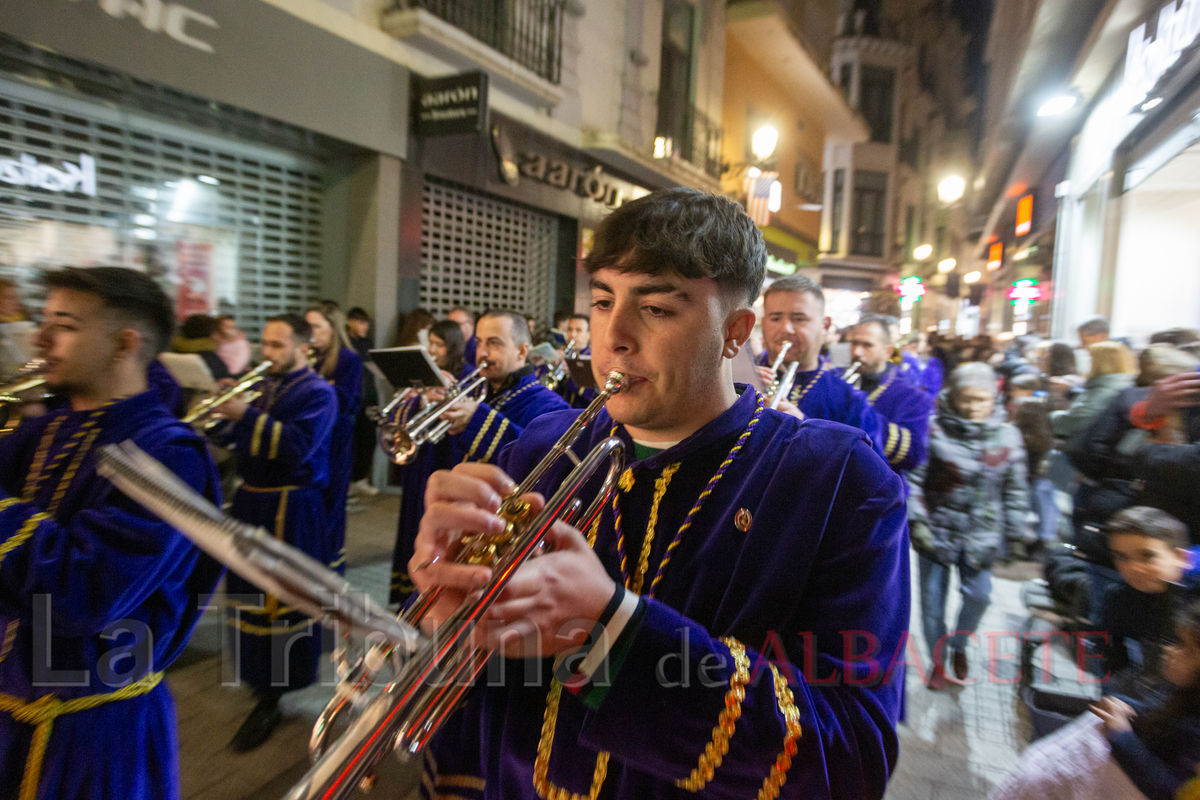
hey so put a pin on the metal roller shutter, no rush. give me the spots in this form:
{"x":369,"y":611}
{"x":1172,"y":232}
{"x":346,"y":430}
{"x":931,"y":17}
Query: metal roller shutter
{"x":166,"y":195}
{"x":480,"y":252}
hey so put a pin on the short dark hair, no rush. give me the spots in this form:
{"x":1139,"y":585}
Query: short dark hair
{"x":1093,"y":326}
{"x":1150,"y":522}
{"x":301,"y":330}
{"x":1060,"y":359}
{"x":358,"y":313}
{"x":796,"y":284}
{"x":520,"y":323}
{"x":1178,"y":337}
{"x":691,"y":233}
{"x":132,"y":297}
{"x":583,"y":317}
{"x":884,"y":323}
{"x":199,"y":326}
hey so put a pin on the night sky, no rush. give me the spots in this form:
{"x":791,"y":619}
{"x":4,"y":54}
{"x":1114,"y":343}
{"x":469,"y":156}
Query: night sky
{"x":974,"y":15}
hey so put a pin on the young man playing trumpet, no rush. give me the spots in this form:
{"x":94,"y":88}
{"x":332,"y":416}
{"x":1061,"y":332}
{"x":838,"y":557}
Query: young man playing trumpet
{"x":740,"y":536}
{"x":97,"y":595}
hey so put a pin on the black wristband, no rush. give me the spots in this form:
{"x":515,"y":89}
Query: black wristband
{"x":613,"y":604}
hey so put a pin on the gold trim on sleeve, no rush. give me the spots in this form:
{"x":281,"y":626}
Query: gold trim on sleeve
{"x":256,"y":436}
{"x":905,"y":445}
{"x":791,"y":718}
{"x":716,"y":750}
{"x":20,"y":537}
{"x":276,"y":433}
{"x":487,"y":423}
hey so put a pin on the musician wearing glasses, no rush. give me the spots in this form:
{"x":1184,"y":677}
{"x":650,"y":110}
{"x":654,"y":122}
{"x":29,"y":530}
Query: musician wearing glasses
{"x":903,"y":407}
{"x":447,"y":348}
{"x":794,"y":312}
{"x":97,"y":595}
{"x":514,"y":398}
{"x":282,"y":442}
{"x":337,"y":363}
{"x":712,"y":559}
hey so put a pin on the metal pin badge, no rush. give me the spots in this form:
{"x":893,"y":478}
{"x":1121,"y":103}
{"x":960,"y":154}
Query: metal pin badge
{"x":743,"y":520}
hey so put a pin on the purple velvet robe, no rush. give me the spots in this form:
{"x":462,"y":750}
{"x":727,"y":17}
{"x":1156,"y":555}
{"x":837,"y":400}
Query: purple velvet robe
{"x":282,"y":446}
{"x":800,"y":554}
{"x":100,"y":592}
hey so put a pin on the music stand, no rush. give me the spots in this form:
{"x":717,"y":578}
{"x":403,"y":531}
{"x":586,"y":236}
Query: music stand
{"x":581,"y":372}
{"x":409,"y":367}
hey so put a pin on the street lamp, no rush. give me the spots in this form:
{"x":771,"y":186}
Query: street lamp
{"x":972,"y":277}
{"x":947,"y":265}
{"x":922,"y":252}
{"x":952,"y":189}
{"x":1057,"y":105}
{"x":763,"y":142}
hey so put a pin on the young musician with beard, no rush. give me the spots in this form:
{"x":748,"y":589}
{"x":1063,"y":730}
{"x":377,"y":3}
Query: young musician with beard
{"x":740,"y":536}
{"x":97,"y":595}
{"x":282,"y":443}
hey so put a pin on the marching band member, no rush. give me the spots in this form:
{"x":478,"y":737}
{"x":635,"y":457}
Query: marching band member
{"x":902,"y":406}
{"x":466,"y":323}
{"x":282,"y":442}
{"x":447,"y":348}
{"x":514,"y":397}
{"x":794,"y":311}
{"x":729,"y":594}
{"x":97,"y":595}
{"x":338,"y":364}
{"x":579,"y":331}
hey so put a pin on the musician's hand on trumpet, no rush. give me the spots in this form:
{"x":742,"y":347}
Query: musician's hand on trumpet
{"x":550,"y":602}
{"x":459,"y":415}
{"x":767,"y":374}
{"x":232,"y":409}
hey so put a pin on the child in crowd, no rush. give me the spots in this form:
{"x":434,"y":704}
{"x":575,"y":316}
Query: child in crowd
{"x":1124,"y":750}
{"x":1148,"y":547}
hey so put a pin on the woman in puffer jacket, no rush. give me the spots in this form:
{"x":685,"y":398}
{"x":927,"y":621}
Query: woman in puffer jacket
{"x":963,"y":504}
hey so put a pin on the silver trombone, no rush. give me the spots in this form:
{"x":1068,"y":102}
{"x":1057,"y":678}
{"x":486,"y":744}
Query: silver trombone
{"x":401,"y":441}
{"x":272,"y":565}
{"x":779,"y":388}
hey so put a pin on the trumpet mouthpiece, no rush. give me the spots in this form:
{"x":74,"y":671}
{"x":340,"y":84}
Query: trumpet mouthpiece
{"x":615,"y":382}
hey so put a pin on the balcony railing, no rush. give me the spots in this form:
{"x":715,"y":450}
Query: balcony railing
{"x":527,"y":31}
{"x":699,"y":143}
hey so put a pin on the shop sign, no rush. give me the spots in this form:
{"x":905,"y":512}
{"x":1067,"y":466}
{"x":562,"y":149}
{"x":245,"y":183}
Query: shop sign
{"x":170,"y":19}
{"x":1025,"y":292}
{"x":911,"y":288}
{"x":72,"y":178}
{"x":453,"y":105}
{"x":561,"y":175}
{"x":995,"y":256}
{"x":1025,"y":215}
{"x":1147,"y":60}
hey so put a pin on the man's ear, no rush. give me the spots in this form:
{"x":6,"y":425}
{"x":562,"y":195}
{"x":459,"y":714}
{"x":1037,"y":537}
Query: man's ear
{"x":826,"y":324}
{"x":523,"y":349}
{"x":129,"y":343}
{"x":739,"y":324}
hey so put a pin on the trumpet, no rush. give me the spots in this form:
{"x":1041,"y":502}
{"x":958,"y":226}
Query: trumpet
{"x":555,"y":375}
{"x":402,"y":441}
{"x":202,"y":411}
{"x":852,"y":375}
{"x":431,"y":684}
{"x":780,"y":387}
{"x":27,"y":377}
